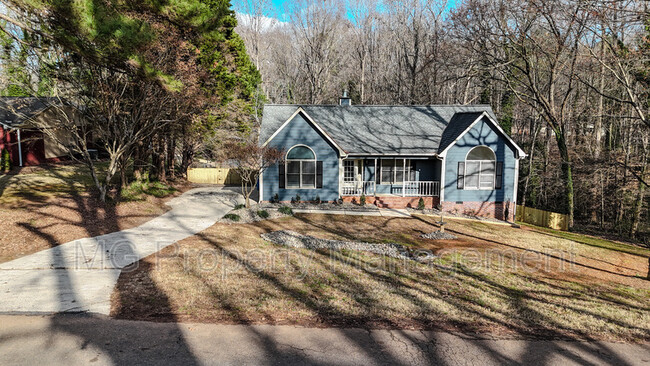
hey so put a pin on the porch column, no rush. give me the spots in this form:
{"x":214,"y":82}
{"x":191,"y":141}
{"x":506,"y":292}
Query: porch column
{"x":404,"y":178}
{"x":20,"y":148}
{"x":341,"y":175}
{"x":374,"y":191}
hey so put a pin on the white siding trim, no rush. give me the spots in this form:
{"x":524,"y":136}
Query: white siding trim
{"x":313,"y":123}
{"x":514,"y":193}
{"x":443,"y":170}
{"x":340,"y":177}
{"x":521,"y":153}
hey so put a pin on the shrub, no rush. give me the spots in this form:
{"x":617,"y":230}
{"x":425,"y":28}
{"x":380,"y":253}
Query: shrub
{"x":276,"y":198}
{"x":297,"y":198}
{"x":421,"y":204}
{"x":286,"y":210}
{"x":137,"y":190}
{"x":231,"y":217}
{"x":317,"y":200}
{"x":239,"y":206}
{"x":5,"y":160}
{"x":158,"y":189}
{"x":263,"y":214}
{"x":362,"y":200}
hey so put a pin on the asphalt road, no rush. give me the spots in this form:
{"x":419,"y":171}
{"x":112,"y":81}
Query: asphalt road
{"x":98,"y":340}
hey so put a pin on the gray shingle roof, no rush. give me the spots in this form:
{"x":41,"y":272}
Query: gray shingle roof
{"x":399,"y":130}
{"x":14,"y":111}
{"x":459,"y":123}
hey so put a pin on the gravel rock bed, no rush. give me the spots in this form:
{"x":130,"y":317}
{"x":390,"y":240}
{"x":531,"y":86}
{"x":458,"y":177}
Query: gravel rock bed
{"x":437,"y":235}
{"x":295,"y":240}
{"x":249,"y":215}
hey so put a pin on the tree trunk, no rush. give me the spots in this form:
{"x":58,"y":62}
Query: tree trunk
{"x":567,"y":174}
{"x":601,"y":111}
{"x":123,"y":179}
{"x":188,"y":158}
{"x":137,"y":164}
{"x":162,"y":145}
{"x":171,"y":161}
{"x":530,"y":162}
{"x":638,"y":205}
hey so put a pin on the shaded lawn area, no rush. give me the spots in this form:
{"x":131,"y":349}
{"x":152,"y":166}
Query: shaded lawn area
{"x":494,"y":279}
{"x":41,"y":207}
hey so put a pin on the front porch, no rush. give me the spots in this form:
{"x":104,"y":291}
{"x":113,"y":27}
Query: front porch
{"x":391,"y":182}
{"x":404,"y":189}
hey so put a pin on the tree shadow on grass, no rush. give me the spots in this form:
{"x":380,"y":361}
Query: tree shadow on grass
{"x":124,"y":343}
{"x":340,"y":274}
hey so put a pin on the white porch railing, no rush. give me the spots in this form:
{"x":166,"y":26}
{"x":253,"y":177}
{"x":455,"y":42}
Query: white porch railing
{"x":421,"y":188}
{"x":358,"y":188}
{"x":407,"y":189}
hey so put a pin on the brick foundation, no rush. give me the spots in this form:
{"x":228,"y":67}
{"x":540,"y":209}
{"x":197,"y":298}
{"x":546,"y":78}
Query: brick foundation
{"x":395,"y":201}
{"x":495,"y":210}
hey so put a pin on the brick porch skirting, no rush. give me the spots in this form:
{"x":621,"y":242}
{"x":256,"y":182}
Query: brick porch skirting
{"x":497,"y":210}
{"x":395,"y":201}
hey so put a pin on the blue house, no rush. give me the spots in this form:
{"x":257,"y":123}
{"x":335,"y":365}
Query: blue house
{"x":454,"y":157}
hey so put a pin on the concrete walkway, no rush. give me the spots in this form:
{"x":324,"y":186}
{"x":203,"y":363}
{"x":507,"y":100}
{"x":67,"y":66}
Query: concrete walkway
{"x":80,"y":275}
{"x":85,"y":339}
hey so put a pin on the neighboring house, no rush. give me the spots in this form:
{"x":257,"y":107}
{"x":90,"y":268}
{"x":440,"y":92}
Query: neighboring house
{"x":21,"y":130}
{"x":457,"y":157}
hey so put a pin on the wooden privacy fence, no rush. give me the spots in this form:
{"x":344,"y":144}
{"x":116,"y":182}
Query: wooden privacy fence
{"x":542,"y":218}
{"x":213,"y":176}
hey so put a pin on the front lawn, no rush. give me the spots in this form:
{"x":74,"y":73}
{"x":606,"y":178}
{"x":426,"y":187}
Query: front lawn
{"x":494,"y":279}
{"x":42,"y":207}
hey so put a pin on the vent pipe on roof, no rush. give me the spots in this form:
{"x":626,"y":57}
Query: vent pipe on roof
{"x":345,"y":100}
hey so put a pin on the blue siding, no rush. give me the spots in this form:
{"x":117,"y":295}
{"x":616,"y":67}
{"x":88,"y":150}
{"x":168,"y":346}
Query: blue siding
{"x":483,"y":133}
{"x":299,"y":131}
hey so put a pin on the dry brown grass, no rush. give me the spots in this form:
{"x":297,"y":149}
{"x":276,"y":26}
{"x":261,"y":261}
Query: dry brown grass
{"x":494,"y":279}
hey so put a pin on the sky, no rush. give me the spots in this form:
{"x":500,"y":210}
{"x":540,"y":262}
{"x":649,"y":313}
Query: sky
{"x":279,"y":6}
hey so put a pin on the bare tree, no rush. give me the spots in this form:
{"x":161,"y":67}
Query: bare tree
{"x":534,"y":47}
{"x":624,"y":58}
{"x":317,"y":28}
{"x":250,"y":160}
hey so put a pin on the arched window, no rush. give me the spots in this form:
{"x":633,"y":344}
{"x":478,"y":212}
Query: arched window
{"x":480,"y":168}
{"x":301,"y":167}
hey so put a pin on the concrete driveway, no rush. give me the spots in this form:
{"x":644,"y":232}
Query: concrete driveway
{"x":80,"y":275}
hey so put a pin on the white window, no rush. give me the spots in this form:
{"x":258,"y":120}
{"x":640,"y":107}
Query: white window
{"x":301,"y":168}
{"x":348,"y":170}
{"x":480,"y":169}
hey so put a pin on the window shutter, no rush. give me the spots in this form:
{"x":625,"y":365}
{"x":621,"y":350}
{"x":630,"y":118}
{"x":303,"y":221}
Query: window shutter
{"x":281,"y":175}
{"x":499,"y":176}
{"x":460,"y":178}
{"x":319,"y":174}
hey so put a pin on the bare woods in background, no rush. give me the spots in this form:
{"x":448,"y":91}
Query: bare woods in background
{"x":568,"y":79}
